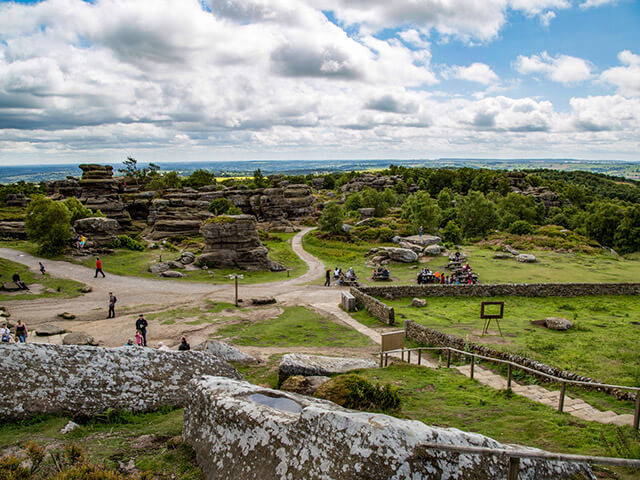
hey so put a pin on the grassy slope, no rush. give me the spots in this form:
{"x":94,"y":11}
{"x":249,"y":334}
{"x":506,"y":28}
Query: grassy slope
{"x":296,"y":326}
{"x":127,"y":262}
{"x":552,"y":267}
{"x":60,"y":287}
{"x":602,"y":344}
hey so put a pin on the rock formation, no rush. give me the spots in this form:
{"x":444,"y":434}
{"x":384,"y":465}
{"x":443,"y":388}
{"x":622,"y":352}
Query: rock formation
{"x":99,"y":191}
{"x":381,"y":255}
{"x":225,"y":351}
{"x":232,"y":241}
{"x":83,"y":380}
{"x":13,"y":230}
{"x":374,"y":180}
{"x":317,"y":365}
{"x":243,"y":431}
{"x":100,"y":231}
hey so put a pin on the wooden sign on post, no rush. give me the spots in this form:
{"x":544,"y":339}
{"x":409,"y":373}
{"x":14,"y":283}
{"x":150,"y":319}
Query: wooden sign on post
{"x":487,"y":317}
{"x":392,"y":340}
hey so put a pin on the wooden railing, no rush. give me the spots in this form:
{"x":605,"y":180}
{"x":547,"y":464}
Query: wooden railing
{"x":514,"y":456}
{"x":384,"y":360}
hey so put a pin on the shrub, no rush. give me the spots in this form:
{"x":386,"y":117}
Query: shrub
{"x":48,"y":223}
{"x":78,"y":210}
{"x":222,"y":206}
{"x":451,"y":233}
{"x":331,"y":219}
{"x":354,"y":391}
{"x":379,"y":234}
{"x":125,"y":241}
{"x":521,"y":227}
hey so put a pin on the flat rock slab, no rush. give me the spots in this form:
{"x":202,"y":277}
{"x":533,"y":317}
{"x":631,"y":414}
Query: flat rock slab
{"x":317,"y":365}
{"x":225,"y":351}
{"x":78,"y":338}
{"x":82,"y":380}
{"x":243,"y":431}
{"x":263,"y":301}
{"x":423,"y":240}
{"x":49,"y":329}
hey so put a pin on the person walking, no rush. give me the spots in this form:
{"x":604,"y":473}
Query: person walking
{"x":21,"y":332}
{"x":42,"y":269}
{"x":99,"y":268}
{"x":184,"y":345}
{"x":141,"y":326}
{"x":112,"y":305}
{"x":327,"y":279}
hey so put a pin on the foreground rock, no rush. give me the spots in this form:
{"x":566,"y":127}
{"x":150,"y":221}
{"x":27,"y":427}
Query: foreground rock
{"x":317,"y":365}
{"x":232,"y":241}
{"x":81,"y":380}
{"x":554,"y":323}
{"x":79,"y":338}
{"x":225,"y":352}
{"x":418,"y":302}
{"x":526,"y":258}
{"x":49,"y":329}
{"x":242,"y":431}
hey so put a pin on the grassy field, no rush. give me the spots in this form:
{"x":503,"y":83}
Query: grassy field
{"x":55,"y":287}
{"x":115,"y":441}
{"x":551,"y":267}
{"x":602,"y":344}
{"x":296,"y":326}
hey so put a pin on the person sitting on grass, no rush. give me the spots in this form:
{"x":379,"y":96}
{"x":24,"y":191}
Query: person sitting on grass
{"x":184,"y":345}
{"x":21,"y":285}
{"x":5,"y":334}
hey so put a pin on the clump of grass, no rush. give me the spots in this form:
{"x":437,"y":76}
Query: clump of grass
{"x":354,"y":391}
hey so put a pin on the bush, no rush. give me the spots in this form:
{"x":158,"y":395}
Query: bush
{"x":125,"y":241}
{"x":48,"y":223}
{"x":521,"y":227}
{"x":451,"y":233}
{"x":78,"y":210}
{"x":331,"y":219}
{"x":373,"y":234}
{"x":223,"y":206}
{"x":354,"y":391}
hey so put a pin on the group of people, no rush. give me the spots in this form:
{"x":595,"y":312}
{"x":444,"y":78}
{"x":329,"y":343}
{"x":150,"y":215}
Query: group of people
{"x":381,"y":273}
{"x":461,"y":276}
{"x":426,"y":276}
{"x":20,"y":335}
{"x":340,"y":277}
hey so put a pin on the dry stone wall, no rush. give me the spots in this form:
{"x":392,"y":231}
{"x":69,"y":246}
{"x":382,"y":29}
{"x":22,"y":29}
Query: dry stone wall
{"x":507,"y":289}
{"x":375,"y":307}
{"x":430,"y":336}
{"x":243,"y":431}
{"x":83,"y":380}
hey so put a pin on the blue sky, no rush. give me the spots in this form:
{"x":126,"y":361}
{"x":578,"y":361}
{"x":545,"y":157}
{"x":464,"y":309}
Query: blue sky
{"x":252,"y":79}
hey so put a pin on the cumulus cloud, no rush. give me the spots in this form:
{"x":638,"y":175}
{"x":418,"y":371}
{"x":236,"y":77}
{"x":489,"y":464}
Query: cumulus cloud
{"x":561,"y":68}
{"x":476,"y":72}
{"x":627,"y":77}
{"x":596,"y":3}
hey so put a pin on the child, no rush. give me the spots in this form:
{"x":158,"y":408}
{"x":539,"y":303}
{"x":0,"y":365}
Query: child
{"x":139,"y":339}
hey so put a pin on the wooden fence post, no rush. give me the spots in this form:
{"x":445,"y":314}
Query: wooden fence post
{"x":419,"y":357}
{"x":448,"y":358}
{"x":514,"y":468}
{"x":636,"y":415}
{"x":563,"y":390}
{"x":473,"y":364}
{"x":510,"y":375}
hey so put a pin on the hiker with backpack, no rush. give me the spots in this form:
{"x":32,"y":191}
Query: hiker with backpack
{"x":112,"y":305}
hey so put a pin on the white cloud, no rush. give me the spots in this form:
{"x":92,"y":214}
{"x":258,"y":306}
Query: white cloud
{"x":626,"y":78}
{"x":546,"y":17}
{"x":561,"y":68}
{"x":596,"y":3}
{"x":476,"y":72}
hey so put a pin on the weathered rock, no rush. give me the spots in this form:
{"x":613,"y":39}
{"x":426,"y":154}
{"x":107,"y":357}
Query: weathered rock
{"x":49,"y":329}
{"x":433,"y":250}
{"x":172,"y":274}
{"x":225,"y":352}
{"x":86,"y":289}
{"x":424,"y":240}
{"x":187,"y":258}
{"x":239,"y":430}
{"x":100,"y":231}
{"x":232,"y":241}
{"x":67,"y":316}
{"x":69,"y":427}
{"x":314,"y":365}
{"x":348,"y":302}
{"x":554,"y":323}
{"x":10,"y":287}
{"x":13,"y":229}
{"x":263,"y":301}
{"x":526,"y":258}
{"x":82,"y":380}
{"x":418,"y":302}
{"x":158,"y":268}
{"x":395,"y":254}
{"x":366,"y":212}
{"x":511,"y":250}
{"x":411,"y":246}
{"x":78,"y":338}
{"x":346,"y":228}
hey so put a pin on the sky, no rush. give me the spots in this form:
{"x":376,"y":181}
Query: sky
{"x":185,"y":80}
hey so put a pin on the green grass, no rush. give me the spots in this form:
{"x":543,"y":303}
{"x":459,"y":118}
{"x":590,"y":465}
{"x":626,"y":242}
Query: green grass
{"x":114,"y":441}
{"x":56,"y":287}
{"x":449,"y":399}
{"x":198,"y":315}
{"x":265,"y":374}
{"x":296,"y":326}
{"x":603,"y":344}
{"x":552,"y":267}
{"x":130,"y":263}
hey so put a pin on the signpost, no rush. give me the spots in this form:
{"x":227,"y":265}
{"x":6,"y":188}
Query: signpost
{"x":236,"y":276}
{"x":491,"y":316}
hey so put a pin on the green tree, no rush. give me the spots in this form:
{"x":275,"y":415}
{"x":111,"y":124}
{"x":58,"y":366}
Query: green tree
{"x":603,"y":220}
{"x":331,"y":219}
{"x":222,"y":206}
{"x":451,"y":233}
{"x":48,"y":223}
{"x":476,"y":215}
{"x":200,"y":178}
{"x":627,"y":236}
{"x":422,"y":211}
{"x":521,"y":227}
{"x":141,"y":175}
{"x":78,"y":210}
{"x":515,"y":207}
{"x":164,"y":181}
{"x":258,"y":179}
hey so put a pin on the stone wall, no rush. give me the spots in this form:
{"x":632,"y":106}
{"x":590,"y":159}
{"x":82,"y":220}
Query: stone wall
{"x":507,"y":289}
{"x":243,"y":431}
{"x":433,"y":337}
{"x":375,"y":307}
{"x":82,"y":380}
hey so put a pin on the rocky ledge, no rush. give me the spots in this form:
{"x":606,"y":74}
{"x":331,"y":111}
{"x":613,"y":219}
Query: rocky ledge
{"x":243,"y":431}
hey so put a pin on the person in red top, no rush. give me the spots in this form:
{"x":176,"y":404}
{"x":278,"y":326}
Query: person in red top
{"x":99,"y":268}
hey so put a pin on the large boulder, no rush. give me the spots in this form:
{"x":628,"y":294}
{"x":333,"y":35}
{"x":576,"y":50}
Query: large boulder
{"x":554,"y":323}
{"x":100,"y":231}
{"x":82,"y":380}
{"x":172,"y":274}
{"x":78,"y":338}
{"x":394,"y":254}
{"x":158,"y":268}
{"x":225,"y":351}
{"x":48,"y":329}
{"x":423,"y":240}
{"x":433,"y":250}
{"x":10,"y":287}
{"x":317,"y":365}
{"x":232,"y":241}
{"x":239,"y":430}
{"x":526,"y":258}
